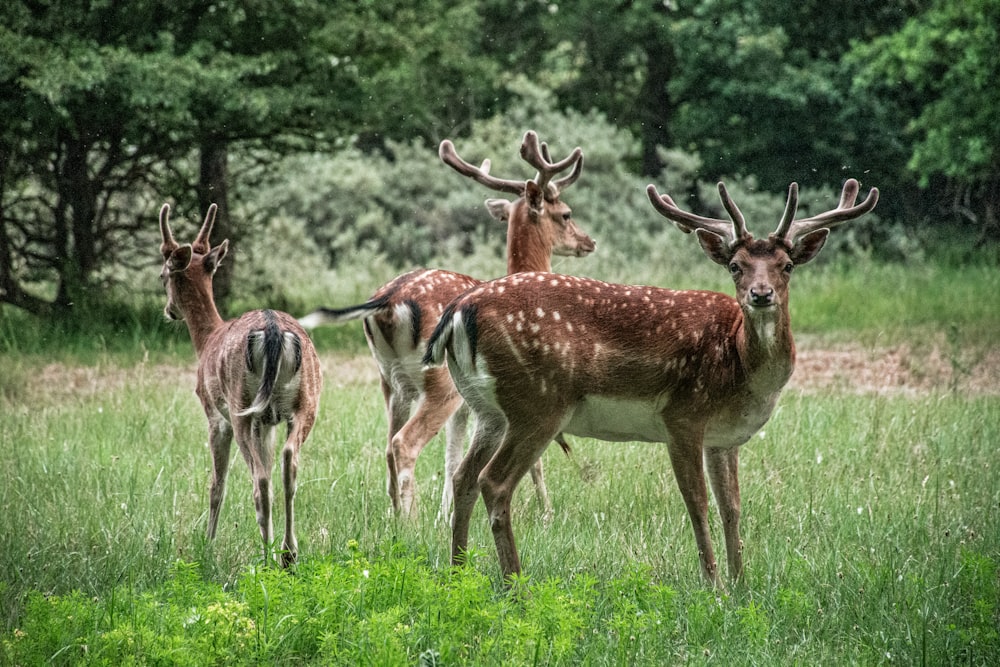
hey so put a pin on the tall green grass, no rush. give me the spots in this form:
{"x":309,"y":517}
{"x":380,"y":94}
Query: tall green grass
{"x":871,"y":522}
{"x":872,"y":530}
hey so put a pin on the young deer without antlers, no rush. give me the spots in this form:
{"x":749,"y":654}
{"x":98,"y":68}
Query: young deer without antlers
{"x":254,"y":372}
{"x":538,"y":354}
{"x":400,"y":316}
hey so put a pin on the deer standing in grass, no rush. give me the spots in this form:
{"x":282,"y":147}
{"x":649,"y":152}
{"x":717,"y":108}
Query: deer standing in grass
{"x":400,"y":316}
{"x":537,"y":354}
{"x":254,"y":372}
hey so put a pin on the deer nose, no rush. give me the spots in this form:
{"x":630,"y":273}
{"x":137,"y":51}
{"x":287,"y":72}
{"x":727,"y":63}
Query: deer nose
{"x":761,"y":295}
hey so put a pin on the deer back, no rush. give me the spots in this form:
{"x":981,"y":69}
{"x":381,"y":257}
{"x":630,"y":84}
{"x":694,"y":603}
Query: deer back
{"x":262,"y":351}
{"x":539,"y":342}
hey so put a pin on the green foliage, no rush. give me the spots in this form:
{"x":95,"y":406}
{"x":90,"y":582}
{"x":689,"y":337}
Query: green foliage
{"x":943,"y":58}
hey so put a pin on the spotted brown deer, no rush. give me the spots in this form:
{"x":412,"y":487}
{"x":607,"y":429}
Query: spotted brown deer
{"x":254,"y":372}
{"x":400,"y":316}
{"x":536,"y":354}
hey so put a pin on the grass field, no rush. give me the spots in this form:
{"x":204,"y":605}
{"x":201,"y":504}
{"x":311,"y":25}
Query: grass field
{"x":871,"y":517}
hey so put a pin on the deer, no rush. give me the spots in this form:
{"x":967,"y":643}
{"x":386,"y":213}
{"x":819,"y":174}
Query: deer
{"x":536,"y":354}
{"x":400,"y":316}
{"x":254,"y":372}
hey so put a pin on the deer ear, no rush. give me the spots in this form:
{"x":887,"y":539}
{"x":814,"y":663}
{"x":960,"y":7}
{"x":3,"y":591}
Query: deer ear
{"x":214,"y":257}
{"x":499,"y":209}
{"x":809,"y":246}
{"x":180,"y":258}
{"x":714,"y":246}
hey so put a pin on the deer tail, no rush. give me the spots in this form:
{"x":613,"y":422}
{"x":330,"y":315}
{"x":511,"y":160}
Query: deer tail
{"x":440,"y":340}
{"x":267,"y":351}
{"x":322,"y":316}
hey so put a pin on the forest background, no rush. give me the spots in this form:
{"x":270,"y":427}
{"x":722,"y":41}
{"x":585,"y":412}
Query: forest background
{"x":314,"y":126}
{"x":871,"y":504}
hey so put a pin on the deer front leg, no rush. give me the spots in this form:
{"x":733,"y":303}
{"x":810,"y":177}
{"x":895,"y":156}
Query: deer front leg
{"x":722,"y":465}
{"x":686,"y":459}
{"x":220,"y":440}
{"x":538,"y":479}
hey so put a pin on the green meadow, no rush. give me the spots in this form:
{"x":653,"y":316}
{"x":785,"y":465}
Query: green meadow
{"x":871,"y":511}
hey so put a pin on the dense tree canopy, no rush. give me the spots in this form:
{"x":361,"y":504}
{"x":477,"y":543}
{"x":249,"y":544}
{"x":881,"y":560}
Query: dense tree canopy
{"x":111,"y":107}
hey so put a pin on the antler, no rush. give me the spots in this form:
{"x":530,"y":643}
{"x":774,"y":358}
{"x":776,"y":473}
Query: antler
{"x":168,"y":244}
{"x":480,"y":174}
{"x":537,"y":155}
{"x":734,"y":231}
{"x":534,"y":153}
{"x":789,"y":229}
{"x":201,"y":244}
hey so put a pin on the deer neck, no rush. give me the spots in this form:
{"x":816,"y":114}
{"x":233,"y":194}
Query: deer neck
{"x":766,"y":348}
{"x":527,"y":247}
{"x":202,"y":318}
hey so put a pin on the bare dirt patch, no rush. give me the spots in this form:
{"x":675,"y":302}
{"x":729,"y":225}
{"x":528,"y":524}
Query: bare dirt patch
{"x":896,"y":370}
{"x":848,"y":368}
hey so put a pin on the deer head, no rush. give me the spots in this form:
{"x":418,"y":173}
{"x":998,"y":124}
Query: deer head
{"x":540,"y":224}
{"x":761,"y":268}
{"x":188,"y":269}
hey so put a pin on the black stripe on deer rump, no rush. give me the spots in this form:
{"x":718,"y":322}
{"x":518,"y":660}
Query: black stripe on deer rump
{"x":266,"y":347}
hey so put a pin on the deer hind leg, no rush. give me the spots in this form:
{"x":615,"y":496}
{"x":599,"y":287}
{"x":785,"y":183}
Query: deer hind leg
{"x":686,"y":460}
{"x":455,"y":430}
{"x":437,"y":404}
{"x":521,"y":447}
{"x":722,"y":465}
{"x":397,"y":409}
{"x":220,"y":440}
{"x":256,"y":443}
{"x":490,"y":427}
{"x":298,"y":430}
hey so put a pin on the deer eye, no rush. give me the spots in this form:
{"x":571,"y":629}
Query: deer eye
{"x":734,"y":268}
{"x":567,"y":216}
{"x":789,"y":267}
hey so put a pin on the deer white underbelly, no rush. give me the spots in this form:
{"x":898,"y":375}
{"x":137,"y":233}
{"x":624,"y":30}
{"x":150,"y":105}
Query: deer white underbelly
{"x":617,"y":419}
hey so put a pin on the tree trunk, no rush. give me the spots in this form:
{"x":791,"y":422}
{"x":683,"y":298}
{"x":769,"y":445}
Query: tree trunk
{"x":655,"y":106}
{"x":75,"y":214}
{"x":213,"y":188}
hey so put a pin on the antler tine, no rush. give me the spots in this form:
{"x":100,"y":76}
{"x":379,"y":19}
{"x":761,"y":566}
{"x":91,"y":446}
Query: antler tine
{"x":739,"y":222}
{"x":201,"y":243}
{"x":845,"y":212}
{"x":537,"y":155}
{"x":168,"y":244}
{"x":545,"y":152}
{"x":561,"y":184}
{"x":448,"y":155}
{"x":732,"y":231}
{"x":791,"y":205}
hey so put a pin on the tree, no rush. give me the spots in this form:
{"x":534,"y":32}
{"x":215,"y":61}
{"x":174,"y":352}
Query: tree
{"x":618,"y":58}
{"x":119,"y":105}
{"x":112,"y":100}
{"x":761,"y":90}
{"x":939,"y":71}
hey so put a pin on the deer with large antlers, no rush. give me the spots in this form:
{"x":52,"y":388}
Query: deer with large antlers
{"x":538,"y":354}
{"x":254,"y":372}
{"x":400,"y":316}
